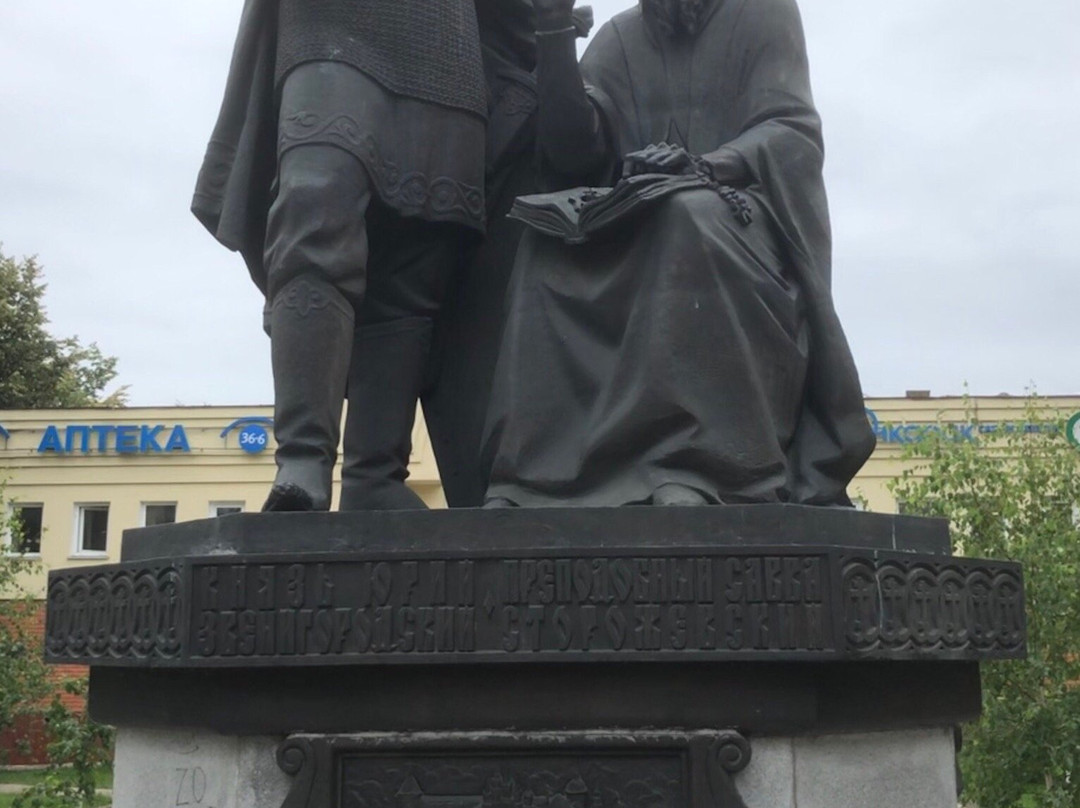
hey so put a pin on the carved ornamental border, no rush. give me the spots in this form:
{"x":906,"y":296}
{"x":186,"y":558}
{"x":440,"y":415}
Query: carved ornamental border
{"x":515,"y":770}
{"x":729,"y":603}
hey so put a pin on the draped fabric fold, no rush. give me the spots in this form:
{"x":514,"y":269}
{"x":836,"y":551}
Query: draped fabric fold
{"x":687,"y":348}
{"x":418,"y":128}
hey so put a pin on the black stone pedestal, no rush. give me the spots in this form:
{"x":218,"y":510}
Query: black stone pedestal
{"x":463,"y":650}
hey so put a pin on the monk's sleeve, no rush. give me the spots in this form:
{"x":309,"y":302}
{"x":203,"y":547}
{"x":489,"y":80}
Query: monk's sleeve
{"x":569,"y":133}
{"x":607,"y":82}
{"x":779,"y":146}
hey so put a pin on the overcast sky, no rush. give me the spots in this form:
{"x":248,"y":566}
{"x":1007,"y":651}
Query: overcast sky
{"x":952,"y":166}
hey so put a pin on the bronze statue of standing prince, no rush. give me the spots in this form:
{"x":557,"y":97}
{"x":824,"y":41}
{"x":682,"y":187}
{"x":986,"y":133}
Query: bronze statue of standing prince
{"x":347,"y":167}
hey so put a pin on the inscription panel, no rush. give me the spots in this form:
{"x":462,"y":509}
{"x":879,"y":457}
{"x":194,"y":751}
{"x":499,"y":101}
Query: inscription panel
{"x":509,"y":770}
{"x":740,"y":603}
{"x":512,"y":781}
{"x":512,"y":607}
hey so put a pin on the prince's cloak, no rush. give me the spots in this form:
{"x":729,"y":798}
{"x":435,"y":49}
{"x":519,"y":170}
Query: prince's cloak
{"x":421,"y":55}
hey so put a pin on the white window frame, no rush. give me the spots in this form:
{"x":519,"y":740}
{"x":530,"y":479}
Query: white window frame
{"x":152,"y":503}
{"x":77,"y":550}
{"x":5,"y":537}
{"x":229,"y":503}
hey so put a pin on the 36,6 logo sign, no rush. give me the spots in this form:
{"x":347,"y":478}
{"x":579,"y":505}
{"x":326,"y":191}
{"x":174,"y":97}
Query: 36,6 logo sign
{"x":252,"y":433}
{"x":253,"y":438}
{"x":1072,"y":430}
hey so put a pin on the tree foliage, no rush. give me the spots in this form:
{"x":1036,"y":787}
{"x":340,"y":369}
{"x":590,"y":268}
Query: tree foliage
{"x":1013,"y":493}
{"x":23,"y":681}
{"x":36,"y":368}
{"x":77,"y":746}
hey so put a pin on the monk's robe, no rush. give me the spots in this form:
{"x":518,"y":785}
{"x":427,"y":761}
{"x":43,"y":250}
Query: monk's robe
{"x":686,"y":347}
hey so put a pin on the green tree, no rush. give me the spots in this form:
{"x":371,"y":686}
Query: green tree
{"x":36,"y":368}
{"x":1013,"y":493}
{"x":23,"y":681}
{"x":77,"y":747}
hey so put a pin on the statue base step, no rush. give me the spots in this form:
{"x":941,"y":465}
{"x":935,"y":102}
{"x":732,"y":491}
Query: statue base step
{"x":198,"y":769}
{"x":715,"y":657}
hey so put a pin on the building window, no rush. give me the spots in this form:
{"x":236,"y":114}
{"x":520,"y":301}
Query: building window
{"x":225,"y":508}
{"x":26,"y":524}
{"x":92,"y":529}
{"x":158,"y":513}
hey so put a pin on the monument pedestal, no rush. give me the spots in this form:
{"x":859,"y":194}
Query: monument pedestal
{"x":198,"y":768}
{"x":727,"y":656}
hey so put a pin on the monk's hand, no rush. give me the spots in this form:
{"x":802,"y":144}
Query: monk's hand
{"x":659,"y":158}
{"x":553,"y":15}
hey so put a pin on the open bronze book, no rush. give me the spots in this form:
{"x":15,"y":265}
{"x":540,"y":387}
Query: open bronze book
{"x":577,"y":213}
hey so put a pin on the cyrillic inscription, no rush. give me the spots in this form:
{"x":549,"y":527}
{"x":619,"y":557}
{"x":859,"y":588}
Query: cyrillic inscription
{"x":735,"y":602}
{"x":510,"y":770}
{"x":526,"y":606}
{"x":514,"y":781}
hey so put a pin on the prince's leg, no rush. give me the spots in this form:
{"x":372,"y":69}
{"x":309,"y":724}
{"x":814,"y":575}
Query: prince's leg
{"x":316,"y":255}
{"x":412,"y":262}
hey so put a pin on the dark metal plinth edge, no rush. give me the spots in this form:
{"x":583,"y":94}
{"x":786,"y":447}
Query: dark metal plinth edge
{"x":537,"y":528}
{"x":640,"y":604}
{"x":758,"y":698}
{"x":598,"y":769}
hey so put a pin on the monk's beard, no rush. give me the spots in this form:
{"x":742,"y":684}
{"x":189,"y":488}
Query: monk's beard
{"x":674,"y":17}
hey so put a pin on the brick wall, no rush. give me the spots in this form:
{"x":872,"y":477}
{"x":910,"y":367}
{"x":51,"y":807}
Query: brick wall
{"x":31,"y":729}
{"x":24,"y":744}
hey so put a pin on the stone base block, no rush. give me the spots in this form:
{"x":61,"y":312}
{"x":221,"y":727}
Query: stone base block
{"x":734,"y":657}
{"x":181,"y":769}
{"x":171,"y":769}
{"x":871,"y":770}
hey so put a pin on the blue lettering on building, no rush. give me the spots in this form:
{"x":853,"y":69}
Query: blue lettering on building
{"x":148,"y":439}
{"x":253,"y":438}
{"x":50,"y":441}
{"x":252,"y":434}
{"x":905,"y":434}
{"x":73,"y":434}
{"x":103,"y":432}
{"x":125,"y":439}
{"x":177,"y":440}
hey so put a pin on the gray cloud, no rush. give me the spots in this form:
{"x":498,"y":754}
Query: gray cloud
{"x":952,"y":171}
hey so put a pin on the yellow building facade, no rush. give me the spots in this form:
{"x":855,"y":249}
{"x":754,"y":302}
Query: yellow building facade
{"x":899,"y":422}
{"x":78,"y":478}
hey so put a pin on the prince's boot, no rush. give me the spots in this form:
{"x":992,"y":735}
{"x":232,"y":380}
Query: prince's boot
{"x":311,"y":332}
{"x":388,"y":364}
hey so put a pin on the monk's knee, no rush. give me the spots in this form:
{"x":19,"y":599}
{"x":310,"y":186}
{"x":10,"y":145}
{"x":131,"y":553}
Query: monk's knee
{"x":693,"y":203}
{"x":700,"y":217}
